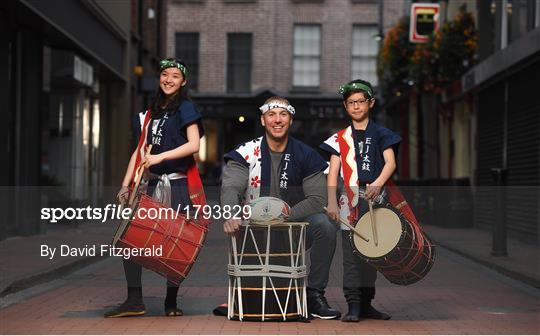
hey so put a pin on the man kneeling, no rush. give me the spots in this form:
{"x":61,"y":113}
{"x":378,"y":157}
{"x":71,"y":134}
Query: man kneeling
{"x":281,"y":166}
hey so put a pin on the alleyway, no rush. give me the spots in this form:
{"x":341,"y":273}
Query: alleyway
{"x":457,"y":297}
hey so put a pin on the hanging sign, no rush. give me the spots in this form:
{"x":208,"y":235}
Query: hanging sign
{"x":424,"y":21}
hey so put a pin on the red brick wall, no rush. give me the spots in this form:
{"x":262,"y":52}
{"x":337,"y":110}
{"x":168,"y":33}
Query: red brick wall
{"x":271,"y":22}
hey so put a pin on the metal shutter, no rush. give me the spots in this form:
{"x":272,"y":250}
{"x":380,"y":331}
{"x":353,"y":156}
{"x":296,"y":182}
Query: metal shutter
{"x":522,"y":155}
{"x":489,"y":150}
{"x":523,"y":158}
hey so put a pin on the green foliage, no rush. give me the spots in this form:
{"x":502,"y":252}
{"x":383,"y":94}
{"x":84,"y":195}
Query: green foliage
{"x":393,"y":59}
{"x":431,"y":66}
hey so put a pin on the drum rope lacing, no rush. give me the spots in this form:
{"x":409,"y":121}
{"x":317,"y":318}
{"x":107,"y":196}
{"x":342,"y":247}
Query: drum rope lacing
{"x":167,"y":233}
{"x":265,"y":269}
{"x":268,"y":271}
{"x":408,"y":268}
{"x":400,"y":270}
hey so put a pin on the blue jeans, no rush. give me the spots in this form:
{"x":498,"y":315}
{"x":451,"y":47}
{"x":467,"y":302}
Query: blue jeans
{"x":321,"y":239}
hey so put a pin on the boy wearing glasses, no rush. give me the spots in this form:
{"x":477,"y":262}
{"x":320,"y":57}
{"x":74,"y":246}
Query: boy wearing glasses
{"x":363,"y":154}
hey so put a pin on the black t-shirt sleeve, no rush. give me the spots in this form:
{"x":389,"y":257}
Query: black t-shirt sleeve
{"x":327,"y":151}
{"x":329,"y":147}
{"x":189,"y":115}
{"x":389,"y":138}
{"x":314,"y":163}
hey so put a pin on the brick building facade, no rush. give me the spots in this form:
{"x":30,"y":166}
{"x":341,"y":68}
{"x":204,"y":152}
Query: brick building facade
{"x":242,"y":51}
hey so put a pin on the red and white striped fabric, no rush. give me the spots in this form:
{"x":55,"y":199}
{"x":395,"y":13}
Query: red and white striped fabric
{"x":342,"y":142}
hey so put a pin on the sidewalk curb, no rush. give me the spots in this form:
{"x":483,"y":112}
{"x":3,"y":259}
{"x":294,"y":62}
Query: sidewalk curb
{"x":535,"y":283}
{"x":40,"y":278}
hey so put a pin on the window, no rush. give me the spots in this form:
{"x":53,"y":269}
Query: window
{"x":187,"y":49}
{"x":239,"y":62}
{"x":307,"y":56}
{"x":364,"y":53}
{"x":521,"y":18}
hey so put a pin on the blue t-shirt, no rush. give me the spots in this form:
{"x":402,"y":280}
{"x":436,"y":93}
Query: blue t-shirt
{"x":369,"y":147}
{"x":168,"y":133}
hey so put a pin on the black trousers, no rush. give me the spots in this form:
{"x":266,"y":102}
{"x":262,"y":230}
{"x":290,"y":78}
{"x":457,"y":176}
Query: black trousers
{"x":133,"y":273}
{"x":321,"y":241}
{"x":358,"y":277}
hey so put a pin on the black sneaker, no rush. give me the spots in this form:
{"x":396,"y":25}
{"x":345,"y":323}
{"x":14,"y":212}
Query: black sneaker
{"x":128,"y":308}
{"x":368,"y":312}
{"x":354,"y":313}
{"x":318,"y":307}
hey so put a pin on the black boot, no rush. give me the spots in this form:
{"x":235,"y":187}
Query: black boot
{"x":368,"y":312}
{"x":133,"y":306}
{"x":170,"y":302}
{"x":354,"y":313}
{"x":318,"y":306}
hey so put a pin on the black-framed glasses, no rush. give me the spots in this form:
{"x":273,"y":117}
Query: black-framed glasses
{"x":351,"y":103}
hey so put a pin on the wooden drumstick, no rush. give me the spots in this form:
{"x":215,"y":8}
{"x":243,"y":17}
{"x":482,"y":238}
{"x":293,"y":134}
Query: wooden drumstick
{"x":373,"y":226}
{"x":344,"y":222}
{"x":138,"y":176}
{"x":137,"y":180}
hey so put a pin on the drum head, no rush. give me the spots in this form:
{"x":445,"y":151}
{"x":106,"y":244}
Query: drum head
{"x":389,"y":230}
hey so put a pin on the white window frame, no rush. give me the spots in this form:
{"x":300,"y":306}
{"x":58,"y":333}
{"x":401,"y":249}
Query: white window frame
{"x":359,"y":53}
{"x":307,"y":54}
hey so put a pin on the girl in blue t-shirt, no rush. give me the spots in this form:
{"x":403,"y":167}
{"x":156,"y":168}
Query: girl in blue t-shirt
{"x":174,"y":129}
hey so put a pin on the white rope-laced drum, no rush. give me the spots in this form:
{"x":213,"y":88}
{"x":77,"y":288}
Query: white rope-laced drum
{"x":267,"y":271}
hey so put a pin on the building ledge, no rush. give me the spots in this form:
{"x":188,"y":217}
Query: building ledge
{"x":503,"y":60}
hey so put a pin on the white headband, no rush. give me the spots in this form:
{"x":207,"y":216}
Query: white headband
{"x":266,"y":107}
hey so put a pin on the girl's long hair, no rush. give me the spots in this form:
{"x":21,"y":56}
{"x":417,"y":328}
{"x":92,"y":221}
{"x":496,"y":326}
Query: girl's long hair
{"x":159,"y":98}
